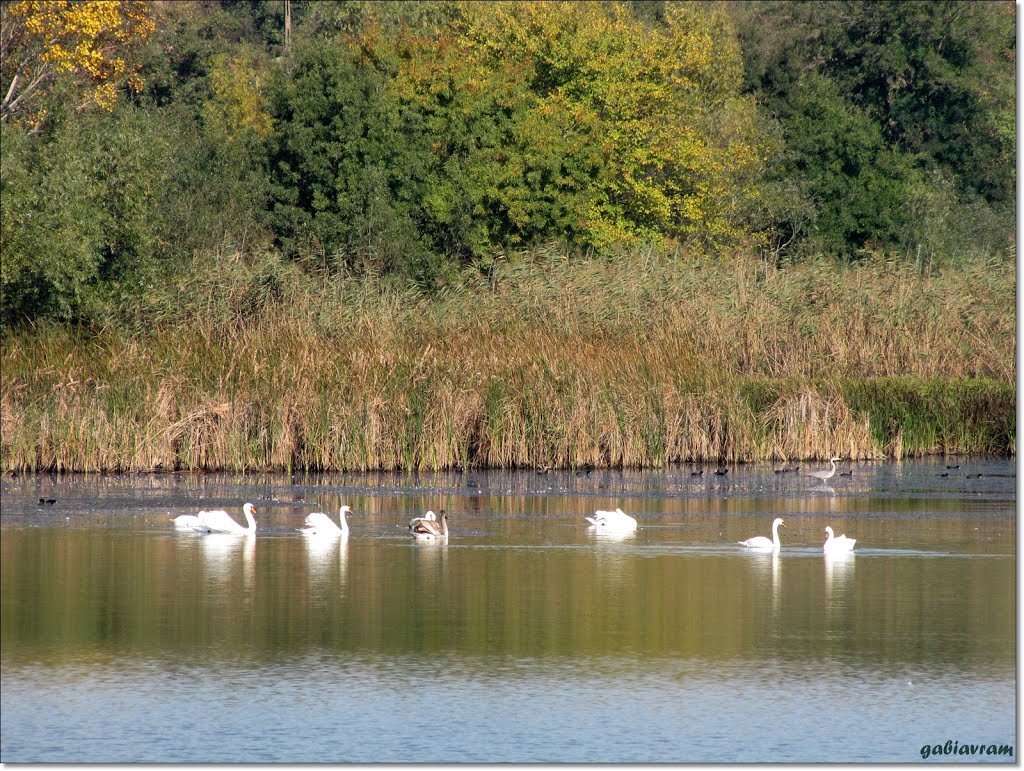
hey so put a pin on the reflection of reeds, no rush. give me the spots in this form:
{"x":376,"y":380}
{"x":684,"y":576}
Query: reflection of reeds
{"x":69,"y":592}
{"x":559,"y":365}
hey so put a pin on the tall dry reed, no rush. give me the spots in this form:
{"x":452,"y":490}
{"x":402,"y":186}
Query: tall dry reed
{"x":642,"y":361}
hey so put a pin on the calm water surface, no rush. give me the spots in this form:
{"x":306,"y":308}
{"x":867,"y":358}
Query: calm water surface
{"x":526,"y":638}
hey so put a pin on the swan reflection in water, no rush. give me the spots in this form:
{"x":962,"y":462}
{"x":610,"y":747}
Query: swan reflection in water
{"x":324,"y":555}
{"x":839,"y":567}
{"x":768,"y":569}
{"x":615,"y":557}
{"x":429,"y":568}
{"x":222,"y":551}
{"x":776,"y":581}
{"x":611,"y":536}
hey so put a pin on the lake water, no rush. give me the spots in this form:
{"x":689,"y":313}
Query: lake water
{"x":525,"y":638}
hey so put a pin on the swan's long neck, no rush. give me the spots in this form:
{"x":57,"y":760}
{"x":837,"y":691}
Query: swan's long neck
{"x":444,"y":525}
{"x":344,"y":522}
{"x":247,"y":510}
{"x":775,"y":534}
{"x":833,"y":462}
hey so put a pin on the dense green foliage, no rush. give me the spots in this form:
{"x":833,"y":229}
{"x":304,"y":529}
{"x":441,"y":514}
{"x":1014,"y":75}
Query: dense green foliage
{"x":423,"y":142}
{"x":897,"y":121}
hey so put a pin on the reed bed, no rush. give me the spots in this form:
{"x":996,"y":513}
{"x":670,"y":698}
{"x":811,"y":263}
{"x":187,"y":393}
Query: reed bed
{"x":641,"y":361}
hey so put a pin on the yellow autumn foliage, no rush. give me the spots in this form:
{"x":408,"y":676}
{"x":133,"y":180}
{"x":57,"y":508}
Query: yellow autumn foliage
{"x":238,"y":109}
{"x":88,"y":40}
{"x":649,"y":120}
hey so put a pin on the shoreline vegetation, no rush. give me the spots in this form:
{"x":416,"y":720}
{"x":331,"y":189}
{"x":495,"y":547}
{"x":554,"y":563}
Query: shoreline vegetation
{"x":640,"y":360}
{"x":444,"y":234}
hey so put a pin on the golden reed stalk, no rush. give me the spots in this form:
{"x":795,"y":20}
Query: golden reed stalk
{"x":547,"y":362}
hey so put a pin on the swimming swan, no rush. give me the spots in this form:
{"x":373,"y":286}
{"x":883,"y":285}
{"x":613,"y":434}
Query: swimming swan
{"x":319,"y":523}
{"x":221,"y":522}
{"x":429,"y":516}
{"x":841,"y":543}
{"x":187,"y":522}
{"x":618,"y":520}
{"x":760,"y":542}
{"x":430,"y":529}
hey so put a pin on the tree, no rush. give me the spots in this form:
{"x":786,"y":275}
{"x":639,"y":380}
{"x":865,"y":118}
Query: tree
{"x":856,"y":182}
{"x":238,"y":109}
{"x":346,"y":165}
{"x":576,"y":120}
{"x":922,"y":93}
{"x":438,"y":134}
{"x":939,"y":79}
{"x":87,"y":41}
{"x":83,"y":214}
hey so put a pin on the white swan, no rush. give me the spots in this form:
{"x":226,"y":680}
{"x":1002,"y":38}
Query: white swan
{"x":319,"y":523}
{"x":221,"y":521}
{"x":835,"y":544}
{"x":607,"y":521}
{"x":429,"y":516}
{"x":825,"y":475}
{"x":760,"y":542}
{"x":430,"y":529}
{"x":187,"y":522}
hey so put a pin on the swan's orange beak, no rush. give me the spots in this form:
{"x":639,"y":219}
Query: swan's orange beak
{"x":254,"y":510}
{"x":784,"y":525}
